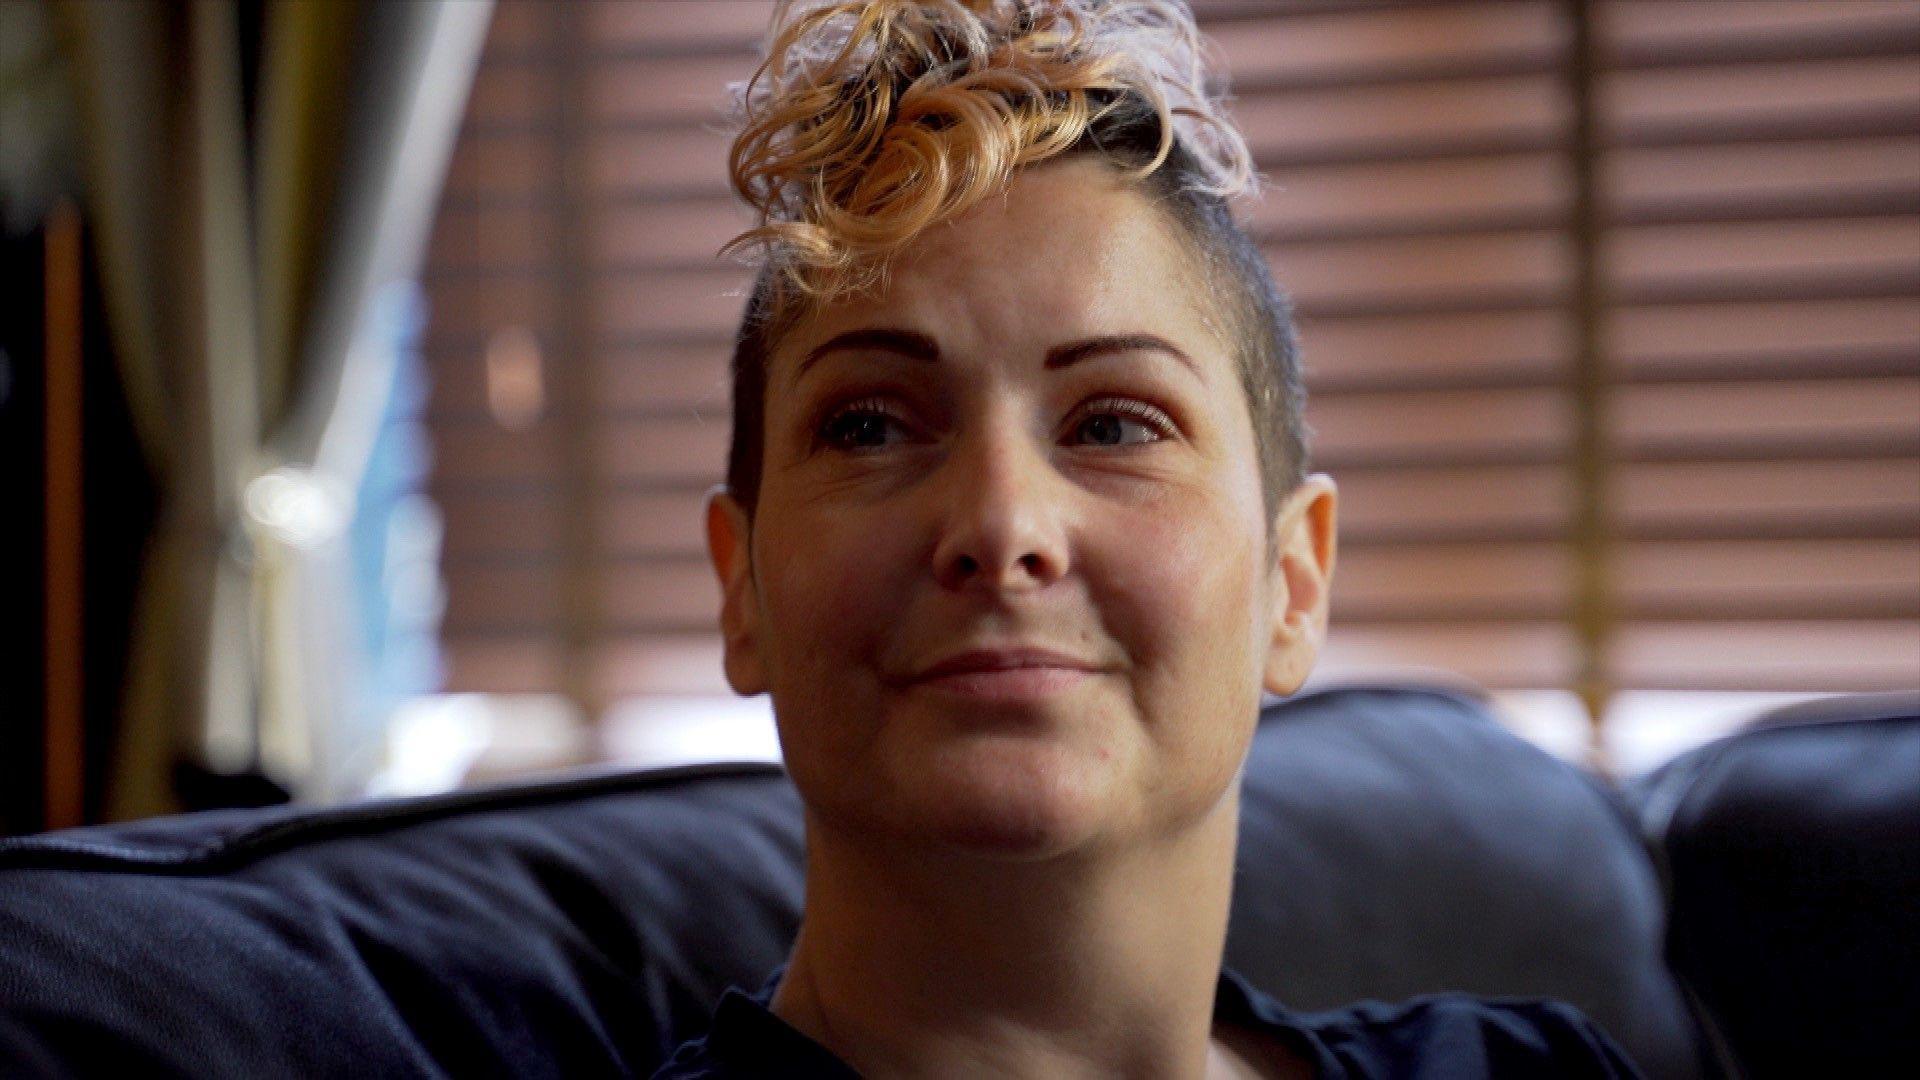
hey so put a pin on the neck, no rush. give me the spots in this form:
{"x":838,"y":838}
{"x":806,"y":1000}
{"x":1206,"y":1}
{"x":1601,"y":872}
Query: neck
{"x":943,"y":963}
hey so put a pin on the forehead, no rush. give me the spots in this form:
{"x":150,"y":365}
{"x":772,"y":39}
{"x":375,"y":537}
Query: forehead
{"x":1069,"y":250}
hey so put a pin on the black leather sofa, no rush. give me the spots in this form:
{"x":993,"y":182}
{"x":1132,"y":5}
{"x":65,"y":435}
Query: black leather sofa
{"x":1395,"y":841}
{"x":1790,"y":855}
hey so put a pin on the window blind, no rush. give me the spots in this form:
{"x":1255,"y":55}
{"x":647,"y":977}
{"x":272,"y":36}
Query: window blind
{"x":1761,"y":180}
{"x":1611,"y":314}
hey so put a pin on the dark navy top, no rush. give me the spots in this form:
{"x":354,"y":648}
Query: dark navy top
{"x":1440,"y":1037}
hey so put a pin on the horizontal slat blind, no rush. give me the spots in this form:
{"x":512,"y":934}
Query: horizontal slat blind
{"x":1761,"y":177}
{"x":1418,"y":216}
{"x":656,"y":310}
{"x":1759,"y":173}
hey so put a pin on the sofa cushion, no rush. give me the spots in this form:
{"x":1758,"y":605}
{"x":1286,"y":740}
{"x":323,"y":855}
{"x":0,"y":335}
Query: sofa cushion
{"x":1399,"y":841}
{"x":1394,"y":841}
{"x":1792,"y":853}
{"x":572,"y":928}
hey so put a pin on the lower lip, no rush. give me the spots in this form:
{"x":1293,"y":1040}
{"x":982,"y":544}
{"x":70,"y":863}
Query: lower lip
{"x":1008,"y":684}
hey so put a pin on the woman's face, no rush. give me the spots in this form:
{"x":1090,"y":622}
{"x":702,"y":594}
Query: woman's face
{"x":1008,"y":580}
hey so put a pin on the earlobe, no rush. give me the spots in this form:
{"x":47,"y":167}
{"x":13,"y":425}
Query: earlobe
{"x":1305,"y":546}
{"x":728,"y":546}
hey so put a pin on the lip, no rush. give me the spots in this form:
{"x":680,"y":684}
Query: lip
{"x":980,"y":661}
{"x":1012,"y":674}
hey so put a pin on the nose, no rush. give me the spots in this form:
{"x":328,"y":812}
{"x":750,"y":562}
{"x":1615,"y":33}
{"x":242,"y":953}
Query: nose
{"x":1003,"y":519}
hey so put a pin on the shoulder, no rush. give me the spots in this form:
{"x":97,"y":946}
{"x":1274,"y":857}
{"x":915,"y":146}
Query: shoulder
{"x":746,"y":1039}
{"x":692,"y":1061}
{"x":1449,"y":1035}
{"x":1431,"y":1037}
{"x":723,"y":1056}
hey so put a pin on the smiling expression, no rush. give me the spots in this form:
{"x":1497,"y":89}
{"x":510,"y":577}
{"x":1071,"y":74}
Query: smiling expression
{"x":1008,"y":577}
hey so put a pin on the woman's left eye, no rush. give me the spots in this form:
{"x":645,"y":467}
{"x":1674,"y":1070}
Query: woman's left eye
{"x":1119,"y":423}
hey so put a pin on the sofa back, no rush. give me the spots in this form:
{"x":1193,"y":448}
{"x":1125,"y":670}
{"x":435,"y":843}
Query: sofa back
{"x":1398,"y":841}
{"x":1791,"y":851}
{"x":1394,"y":841}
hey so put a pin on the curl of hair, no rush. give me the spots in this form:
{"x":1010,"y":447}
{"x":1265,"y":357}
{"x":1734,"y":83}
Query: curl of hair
{"x":871,"y":120}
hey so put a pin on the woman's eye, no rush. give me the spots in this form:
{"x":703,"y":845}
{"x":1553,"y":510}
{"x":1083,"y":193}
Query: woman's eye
{"x":861,"y":428}
{"x":1119,"y":423}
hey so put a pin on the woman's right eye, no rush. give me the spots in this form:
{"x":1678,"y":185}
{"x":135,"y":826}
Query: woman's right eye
{"x":861,"y":426}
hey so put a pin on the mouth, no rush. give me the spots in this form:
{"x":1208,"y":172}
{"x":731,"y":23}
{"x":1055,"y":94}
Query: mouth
{"x":1006,"y":675}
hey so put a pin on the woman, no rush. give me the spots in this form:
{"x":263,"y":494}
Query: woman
{"x":1016,"y":530}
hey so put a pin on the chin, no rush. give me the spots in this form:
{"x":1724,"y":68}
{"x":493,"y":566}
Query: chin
{"x":1012,"y":797}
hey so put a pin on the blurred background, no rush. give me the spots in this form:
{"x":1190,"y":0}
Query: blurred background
{"x":363,"y":367}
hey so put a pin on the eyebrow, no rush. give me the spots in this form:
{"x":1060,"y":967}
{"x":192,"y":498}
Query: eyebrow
{"x":906,"y":343}
{"x":913,"y":345}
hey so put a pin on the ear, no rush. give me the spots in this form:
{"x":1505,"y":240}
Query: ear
{"x":727,"y":546}
{"x":1301,"y":577}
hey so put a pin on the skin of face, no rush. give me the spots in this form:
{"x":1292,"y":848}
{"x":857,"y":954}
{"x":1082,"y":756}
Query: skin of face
{"x":1104,"y":505}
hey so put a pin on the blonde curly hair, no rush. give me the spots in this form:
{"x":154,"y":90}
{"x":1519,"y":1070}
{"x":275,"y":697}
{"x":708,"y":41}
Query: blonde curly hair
{"x":871,"y":120}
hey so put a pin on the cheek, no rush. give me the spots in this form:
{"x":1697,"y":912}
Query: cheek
{"x":829,"y":583}
{"x":1182,"y":597}
{"x":1181,"y":576}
